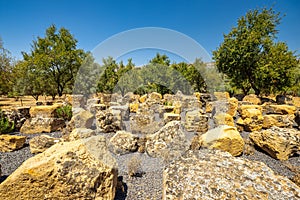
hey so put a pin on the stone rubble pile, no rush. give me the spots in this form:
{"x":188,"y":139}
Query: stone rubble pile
{"x":199,"y":137}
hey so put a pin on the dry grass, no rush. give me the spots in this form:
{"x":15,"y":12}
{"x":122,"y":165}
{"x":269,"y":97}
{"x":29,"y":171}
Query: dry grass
{"x":134,"y":166}
{"x":7,"y":103}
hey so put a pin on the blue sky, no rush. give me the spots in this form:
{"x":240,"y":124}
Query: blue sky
{"x":92,"y":22}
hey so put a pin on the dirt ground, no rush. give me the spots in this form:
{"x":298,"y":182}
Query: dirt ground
{"x":7,"y":103}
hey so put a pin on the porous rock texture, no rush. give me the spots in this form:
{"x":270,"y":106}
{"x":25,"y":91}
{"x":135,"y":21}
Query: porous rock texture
{"x":42,"y":119}
{"x":280,"y":143}
{"x":40,"y":143}
{"x":251,"y":117}
{"x":225,"y":138}
{"x":195,"y":121}
{"x":109,"y":121}
{"x":169,"y":141}
{"x":11,"y":142}
{"x":81,"y":119}
{"x":280,"y":109}
{"x":209,"y":174}
{"x":253,"y":99}
{"x":82,"y":169}
{"x":278,"y":120}
{"x":81,"y":133}
{"x":123,"y":142}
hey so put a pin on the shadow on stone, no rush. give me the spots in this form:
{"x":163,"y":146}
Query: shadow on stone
{"x":2,"y":178}
{"x":121,"y":190}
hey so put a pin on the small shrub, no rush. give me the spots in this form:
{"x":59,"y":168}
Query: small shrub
{"x":64,"y":112}
{"x":6,"y":126}
{"x":134,"y":166}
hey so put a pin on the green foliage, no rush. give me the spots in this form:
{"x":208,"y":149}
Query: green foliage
{"x":85,"y":80}
{"x":111,"y":75}
{"x":64,"y":112}
{"x":158,"y":76}
{"x":6,"y":126}
{"x":295,"y":89}
{"x":6,"y":64}
{"x":52,"y":64}
{"x":251,"y":58}
{"x":160,"y":60}
{"x":191,"y":74}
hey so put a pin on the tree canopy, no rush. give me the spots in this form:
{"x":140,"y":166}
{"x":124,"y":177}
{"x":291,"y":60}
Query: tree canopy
{"x":51,"y":66}
{"x":251,"y":57}
{"x":6,"y":65}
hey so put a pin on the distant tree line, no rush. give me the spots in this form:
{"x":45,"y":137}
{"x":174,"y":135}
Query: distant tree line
{"x":250,"y":59}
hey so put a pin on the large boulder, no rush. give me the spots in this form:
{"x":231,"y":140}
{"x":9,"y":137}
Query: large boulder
{"x":82,"y":169}
{"x":171,"y":117}
{"x":169,"y":141}
{"x":18,"y":115}
{"x":44,"y":111}
{"x":154,"y":96}
{"x":253,"y":99}
{"x":40,"y":143}
{"x":232,"y":106}
{"x":42,"y":125}
{"x":80,"y":119}
{"x":190,"y":103}
{"x":251,"y":117}
{"x":84,"y":119}
{"x":195,"y":121}
{"x":280,"y":143}
{"x":278,"y":120}
{"x":225,"y":138}
{"x":11,"y":142}
{"x":223,"y":119}
{"x":296,"y":101}
{"x":221,"y":95}
{"x":109,"y":121}
{"x":125,"y":111}
{"x":43,"y":119}
{"x":209,"y":174}
{"x":280,"y":109}
{"x":144,"y":122}
{"x":123,"y":142}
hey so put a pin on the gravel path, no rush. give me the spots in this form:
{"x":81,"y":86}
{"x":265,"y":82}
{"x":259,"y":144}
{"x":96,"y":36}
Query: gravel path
{"x":149,"y":184}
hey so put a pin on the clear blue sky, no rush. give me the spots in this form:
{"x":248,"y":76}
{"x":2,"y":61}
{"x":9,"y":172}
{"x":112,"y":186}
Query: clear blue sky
{"x":91,"y":22}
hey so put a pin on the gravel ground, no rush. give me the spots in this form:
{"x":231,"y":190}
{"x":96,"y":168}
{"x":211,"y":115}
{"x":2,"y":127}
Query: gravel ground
{"x":10,"y":161}
{"x":149,"y":184}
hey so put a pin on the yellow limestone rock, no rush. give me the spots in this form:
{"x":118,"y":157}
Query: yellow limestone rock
{"x":296,"y":101}
{"x":278,"y":120}
{"x":221,"y":95}
{"x":225,"y":138}
{"x":81,"y":169}
{"x":252,"y":98}
{"x":171,"y":117}
{"x":155,"y":96}
{"x":143,"y":98}
{"x":44,"y":111}
{"x":134,"y":107}
{"x":208,"y":107}
{"x":232,"y":106}
{"x":224,"y":119}
{"x":11,"y":142}
{"x":212,"y":174}
{"x":280,"y":143}
{"x":252,"y":118}
{"x":280,"y":109}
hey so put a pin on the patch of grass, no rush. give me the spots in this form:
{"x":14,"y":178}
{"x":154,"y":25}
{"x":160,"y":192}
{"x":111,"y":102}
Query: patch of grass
{"x":134,"y":166}
{"x":6,"y":126}
{"x":64,"y":112}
